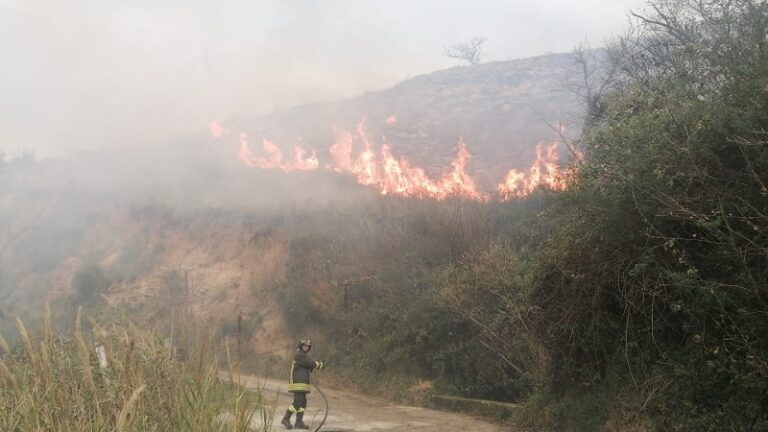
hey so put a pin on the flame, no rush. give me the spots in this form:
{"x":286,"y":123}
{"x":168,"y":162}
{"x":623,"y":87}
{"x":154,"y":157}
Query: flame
{"x":215,"y":128}
{"x":353,"y":153}
{"x":396,"y":176}
{"x":300,"y":161}
{"x":458,"y":181}
{"x":274,"y":158}
{"x":543,"y":172}
{"x":391,"y":120}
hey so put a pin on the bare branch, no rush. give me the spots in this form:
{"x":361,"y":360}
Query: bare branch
{"x":471,"y":52}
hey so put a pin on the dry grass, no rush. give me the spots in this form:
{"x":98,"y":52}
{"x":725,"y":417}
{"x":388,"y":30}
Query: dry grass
{"x":58,"y":384}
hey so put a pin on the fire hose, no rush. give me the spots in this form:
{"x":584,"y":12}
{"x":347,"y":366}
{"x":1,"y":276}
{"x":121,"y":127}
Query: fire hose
{"x":322,"y":422}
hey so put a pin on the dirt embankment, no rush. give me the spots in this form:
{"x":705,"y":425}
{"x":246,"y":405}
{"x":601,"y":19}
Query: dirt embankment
{"x":216,"y":273}
{"x":162,"y":266}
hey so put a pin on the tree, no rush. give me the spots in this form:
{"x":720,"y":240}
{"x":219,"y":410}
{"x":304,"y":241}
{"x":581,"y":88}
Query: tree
{"x":656,"y":269}
{"x":471,"y":51}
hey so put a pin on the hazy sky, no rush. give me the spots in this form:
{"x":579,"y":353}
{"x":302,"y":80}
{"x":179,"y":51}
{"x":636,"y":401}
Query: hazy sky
{"x":91,"y":73}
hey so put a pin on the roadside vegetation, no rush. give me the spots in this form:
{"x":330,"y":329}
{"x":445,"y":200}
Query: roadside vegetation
{"x":117,"y":378}
{"x":637,"y":297}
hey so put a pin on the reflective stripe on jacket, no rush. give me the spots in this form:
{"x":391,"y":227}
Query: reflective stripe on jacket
{"x":301,"y":367}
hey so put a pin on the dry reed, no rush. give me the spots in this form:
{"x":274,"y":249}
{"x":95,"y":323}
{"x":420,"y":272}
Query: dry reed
{"x":56,"y":383}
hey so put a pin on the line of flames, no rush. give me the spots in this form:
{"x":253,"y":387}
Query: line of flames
{"x":274,"y":158}
{"x":396,"y":176}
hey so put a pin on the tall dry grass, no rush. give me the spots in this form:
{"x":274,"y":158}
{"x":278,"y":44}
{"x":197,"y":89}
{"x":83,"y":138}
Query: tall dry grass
{"x":58,"y":383}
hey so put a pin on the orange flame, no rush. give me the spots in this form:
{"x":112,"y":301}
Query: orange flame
{"x":215,"y":128}
{"x":275,"y":157}
{"x":353,"y":153}
{"x":393,"y":176}
{"x":301,"y":162}
{"x":543,"y":172}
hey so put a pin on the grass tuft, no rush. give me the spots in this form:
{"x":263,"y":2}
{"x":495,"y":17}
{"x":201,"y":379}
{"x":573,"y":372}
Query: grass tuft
{"x":122,"y":378}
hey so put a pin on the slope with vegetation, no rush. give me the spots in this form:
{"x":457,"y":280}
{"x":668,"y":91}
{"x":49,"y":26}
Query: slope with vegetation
{"x":635,"y":300}
{"x":638,"y":297}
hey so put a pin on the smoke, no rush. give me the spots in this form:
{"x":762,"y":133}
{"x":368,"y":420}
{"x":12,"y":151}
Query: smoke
{"x":126,"y":95}
{"x":88,"y":74}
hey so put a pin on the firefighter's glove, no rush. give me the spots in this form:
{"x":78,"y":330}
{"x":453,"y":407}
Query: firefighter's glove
{"x":319,"y":365}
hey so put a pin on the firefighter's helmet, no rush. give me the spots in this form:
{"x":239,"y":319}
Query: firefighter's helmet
{"x":305,"y":341}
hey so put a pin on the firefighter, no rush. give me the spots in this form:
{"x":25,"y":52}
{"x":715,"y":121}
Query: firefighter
{"x":298,"y":384}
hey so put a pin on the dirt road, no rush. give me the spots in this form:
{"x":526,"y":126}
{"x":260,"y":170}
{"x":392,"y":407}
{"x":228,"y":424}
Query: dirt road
{"x":351,"y":412}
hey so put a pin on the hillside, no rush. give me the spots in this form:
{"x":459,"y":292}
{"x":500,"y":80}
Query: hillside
{"x":500,"y":109}
{"x":624,"y":293}
{"x":127,"y":211}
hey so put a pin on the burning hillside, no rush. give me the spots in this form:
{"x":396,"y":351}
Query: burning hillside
{"x":479,"y":132}
{"x":355,"y":153}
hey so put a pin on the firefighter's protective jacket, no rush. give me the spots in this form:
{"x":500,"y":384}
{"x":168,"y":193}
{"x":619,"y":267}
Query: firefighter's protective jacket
{"x":301,"y":367}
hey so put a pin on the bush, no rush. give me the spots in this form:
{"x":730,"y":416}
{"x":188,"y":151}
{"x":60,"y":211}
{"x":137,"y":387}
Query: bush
{"x":89,"y":283}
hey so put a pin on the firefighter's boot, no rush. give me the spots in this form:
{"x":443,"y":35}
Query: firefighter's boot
{"x":300,"y":421}
{"x":286,"y":421}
